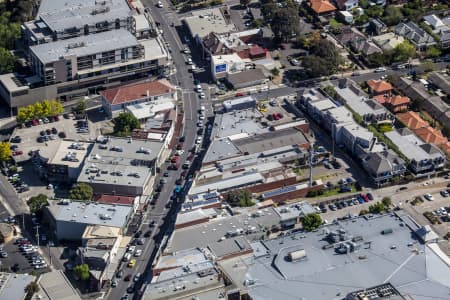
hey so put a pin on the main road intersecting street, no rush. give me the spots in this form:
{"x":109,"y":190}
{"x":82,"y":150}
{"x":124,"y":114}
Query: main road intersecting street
{"x":183,"y":79}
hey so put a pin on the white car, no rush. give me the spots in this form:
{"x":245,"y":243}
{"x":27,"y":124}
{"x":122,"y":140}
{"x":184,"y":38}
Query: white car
{"x":198,"y":140}
{"x":131,"y":249}
{"x":160,"y":5}
{"x":201,"y":117}
{"x":198,"y":88}
{"x":180,"y":152}
{"x":428,"y":196}
{"x":138,"y":253}
{"x":379,"y":70}
{"x":189,"y":61}
{"x":202,"y":95}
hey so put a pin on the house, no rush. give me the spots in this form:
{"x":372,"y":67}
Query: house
{"x":396,"y":103}
{"x":416,"y":35}
{"x":433,"y":136}
{"x":157,"y":92}
{"x":379,"y":87}
{"x":424,"y":158}
{"x":364,"y":46}
{"x":348,"y":33}
{"x":377,"y":26}
{"x":388,"y":41}
{"x":434,"y":21}
{"x":347,"y":4}
{"x":441,"y":81}
{"x":356,"y":138}
{"x":432,"y":104}
{"x":412,"y":120}
{"x":383,"y":166}
{"x":321,"y":7}
{"x":445,"y":39}
{"x":356,"y":99}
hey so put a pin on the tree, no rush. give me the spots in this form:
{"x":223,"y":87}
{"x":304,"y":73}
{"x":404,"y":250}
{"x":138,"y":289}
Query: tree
{"x":31,"y":289}
{"x":433,"y":52}
{"x":244,"y":3}
{"x":82,"y":271}
{"x":7,"y":61}
{"x":81,"y":191}
{"x":285,"y":23}
{"x":403,"y":52}
{"x":125,"y":123}
{"x":5,"y":151}
{"x":80,"y":108}
{"x":316,"y":66}
{"x":376,"y":208}
{"x":387,"y":202}
{"x":242,"y":198}
{"x":56,"y":107}
{"x":36,"y":203}
{"x":311,"y":221}
{"x":335,"y":26}
{"x":275,"y":71}
{"x":392,"y":15}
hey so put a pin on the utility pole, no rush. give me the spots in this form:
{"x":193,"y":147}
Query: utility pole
{"x":37,"y":234}
{"x":311,"y":154}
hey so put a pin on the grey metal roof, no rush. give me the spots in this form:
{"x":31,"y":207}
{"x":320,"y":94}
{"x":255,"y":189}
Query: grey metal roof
{"x":93,"y":213}
{"x":411,"y":146}
{"x":228,"y":183}
{"x":270,"y":140}
{"x":63,"y":14}
{"x":220,"y":149}
{"x":204,"y":234}
{"x":230,"y":246}
{"x":238,"y":122}
{"x":85,"y":45}
{"x":414,"y":34}
{"x":327,"y":275}
{"x":12,"y":286}
{"x":110,"y":162}
{"x":55,"y":286}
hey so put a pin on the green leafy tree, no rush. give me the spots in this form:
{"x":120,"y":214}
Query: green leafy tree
{"x":275,"y":72}
{"x":376,"y":208}
{"x":242,"y":198}
{"x":5,"y":151}
{"x":125,"y":123}
{"x":80,"y":107}
{"x":311,"y":221}
{"x":330,"y":91}
{"x":81,"y":191}
{"x":31,"y":289}
{"x":36,"y":203}
{"x":82,"y":271}
{"x":392,"y":15}
{"x":7,"y":61}
{"x":316,"y":66}
{"x":335,"y":26}
{"x":433,"y":52}
{"x":285,"y":23}
{"x":375,"y":11}
{"x":387,"y":202}
{"x":403,"y":51}
{"x":56,"y":107}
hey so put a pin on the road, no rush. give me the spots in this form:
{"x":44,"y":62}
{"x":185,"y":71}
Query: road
{"x":183,"y":79}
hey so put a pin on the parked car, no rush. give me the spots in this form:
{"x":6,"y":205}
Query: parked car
{"x":428,"y":196}
{"x":370,"y":196}
{"x":444,"y":193}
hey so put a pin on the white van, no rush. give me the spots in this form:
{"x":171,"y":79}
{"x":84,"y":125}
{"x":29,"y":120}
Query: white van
{"x":126,"y":257}
{"x":202,"y":108}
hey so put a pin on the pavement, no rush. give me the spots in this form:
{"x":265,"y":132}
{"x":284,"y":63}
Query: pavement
{"x":184,"y":80}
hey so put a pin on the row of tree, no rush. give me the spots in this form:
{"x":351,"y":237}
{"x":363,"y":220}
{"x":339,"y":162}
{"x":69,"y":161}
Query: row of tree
{"x":38,"y":110}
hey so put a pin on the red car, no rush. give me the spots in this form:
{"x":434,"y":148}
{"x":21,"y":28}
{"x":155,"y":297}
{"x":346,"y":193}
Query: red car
{"x":17,"y":152}
{"x":180,"y":146}
{"x":275,"y":116}
{"x":366,"y":199}
{"x":174,"y":159}
{"x":239,"y":95}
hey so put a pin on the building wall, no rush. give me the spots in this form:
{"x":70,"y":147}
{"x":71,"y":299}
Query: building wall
{"x":69,"y":230}
{"x":192,"y":223}
{"x":260,"y":188}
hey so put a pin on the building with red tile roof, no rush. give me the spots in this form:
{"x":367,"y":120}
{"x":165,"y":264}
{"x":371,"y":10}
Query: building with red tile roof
{"x":397,"y":103}
{"x":116,"y":99}
{"x":423,"y":130}
{"x":321,"y":7}
{"x":379,"y":87}
{"x":412,"y":120}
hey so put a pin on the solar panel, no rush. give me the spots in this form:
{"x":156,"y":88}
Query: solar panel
{"x":280,"y":191}
{"x":193,"y":197}
{"x":210,"y":195}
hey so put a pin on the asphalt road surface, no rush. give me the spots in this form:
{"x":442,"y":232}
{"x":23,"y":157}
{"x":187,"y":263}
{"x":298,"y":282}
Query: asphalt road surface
{"x":160,"y":214}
